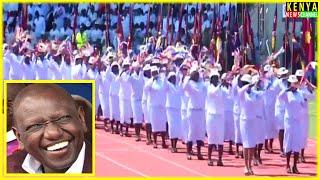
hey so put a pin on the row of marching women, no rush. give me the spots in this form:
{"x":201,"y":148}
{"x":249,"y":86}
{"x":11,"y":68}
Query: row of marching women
{"x":173,"y":91}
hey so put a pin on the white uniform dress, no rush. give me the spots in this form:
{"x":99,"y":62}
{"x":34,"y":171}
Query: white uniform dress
{"x":236,"y":110}
{"x":137,"y":84}
{"x":41,"y":68}
{"x":196,"y":91}
{"x":293,"y":119}
{"x":114,"y":98}
{"x":125,"y":98}
{"x":229,"y":133}
{"x":215,"y":121}
{"x":28,"y":71}
{"x":92,"y":74}
{"x":173,"y":107}
{"x":54,"y":69}
{"x":15,"y":72}
{"x":247,"y":116}
{"x":279,"y":106}
{"x":144,"y":102}
{"x":305,"y":113}
{"x":259,"y":121}
{"x":156,"y":90}
{"x":270,"y":100}
{"x":65,"y":70}
{"x":184,"y":107}
{"x":104,"y":88}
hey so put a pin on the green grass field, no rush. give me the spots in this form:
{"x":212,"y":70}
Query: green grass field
{"x":313,"y":119}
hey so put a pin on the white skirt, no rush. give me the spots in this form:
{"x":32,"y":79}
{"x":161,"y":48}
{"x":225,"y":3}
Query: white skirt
{"x":237,"y":133}
{"x":114,"y":107}
{"x":158,"y":118}
{"x":229,"y":132}
{"x":215,"y":128}
{"x":247,"y":129}
{"x":125,"y":110}
{"x":104,"y":102}
{"x":174,"y":122}
{"x":137,"y":111}
{"x":185,"y":125}
{"x":259,"y":124}
{"x":271,"y":123}
{"x":197,"y":125}
{"x":146,"y":114}
{"x":293,"y":140}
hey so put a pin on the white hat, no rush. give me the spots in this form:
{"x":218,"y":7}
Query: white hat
{"x":109,"y":49}
{"x":77,"y":56}
{"x":126,"y":62}
{"x":135,"y":64}
{"x":246,"y":78}
{"x":91,"y":60}
{"x":74,"y":52}
{"x":266,"y":68}
{"x":292,"y":79}
{"x":115,"y":63}
{"x":154,"y":68}
{"x":218,"y":66}
{"x":214,"y":73}
{"x":224,"y":76}
{"x":146,"y":67}
{"x":171,"y":74}
{"x":282,"y":71}
{"x":5,"y":45}
{"x":313,"y":64}
{"x":299,"y":73}
{"x":193,"y":69}
{"x":255,"y":79}
{"x":155,"y":61}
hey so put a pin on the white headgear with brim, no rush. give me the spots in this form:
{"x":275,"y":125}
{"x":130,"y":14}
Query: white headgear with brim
{"x":224,"y":76}
{"x":255,"y":79}
{"x":214,"y":72}
{"x":313,"y":64}
{"x":266,"y":68}
{"x":146,"y":67}
{"x":171,"y":74}
{"x":246,"y":78}
{"x":126,"y":62}
{"x":5,"y":45}
{"x":292,"y":79}
{"x":193,"y":69}
{"x":135,"y":64}
{"x":218,"y":66}
{"x":77,"y":56}
{"x":154,"y":69}
{"x":299,"y":73}
{"x":115,"y":63}
{"x":74,"y":52}
{"x":282,"y":71}
{"x":91,"y":60}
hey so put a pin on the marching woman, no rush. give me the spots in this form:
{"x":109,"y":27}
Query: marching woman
{"x":294,"y":101}
{"x":259,"y":121}
{"x":125,"y":98}
{"x":235,"y":84}
{"x":114,"y":97}
{"x":196,"y":91}
{"x":269,"y":100}
{"x":307,"y":89}
{"x":145,"y":104}
{"x":182,"y":74}
{"x":104,"y":88}
{"x":247,"y":117}
{"x":173,"y":107}
{"x":228,"y":112}
{"x":137,"y":84}
{"x":156,"y":89}
{"x":279,"y":106}
{"x":215,"y":121}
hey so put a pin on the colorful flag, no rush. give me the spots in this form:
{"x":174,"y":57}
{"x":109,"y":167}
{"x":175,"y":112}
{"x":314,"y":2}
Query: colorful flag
{"x":24,"y":22}
{"x":119,"y":27}
{"x":75,"y":23}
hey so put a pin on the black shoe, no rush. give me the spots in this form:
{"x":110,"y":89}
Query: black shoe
{"x":200,"y":157}
{"x":164,"y":146}
{"x":289,"y":171}
{"x":210,"y":163}
{"x":219,"y":163}
{"x":149,"y":142}
{"x":138,"y":139}
{"x":155,"y":146}
{"x":189,"y":157}
{"x":295,"y":170}
{"x":303,"y":160}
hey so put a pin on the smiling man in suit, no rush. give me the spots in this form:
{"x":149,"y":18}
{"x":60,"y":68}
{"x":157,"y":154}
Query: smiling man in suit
{"x":50,"y":129}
